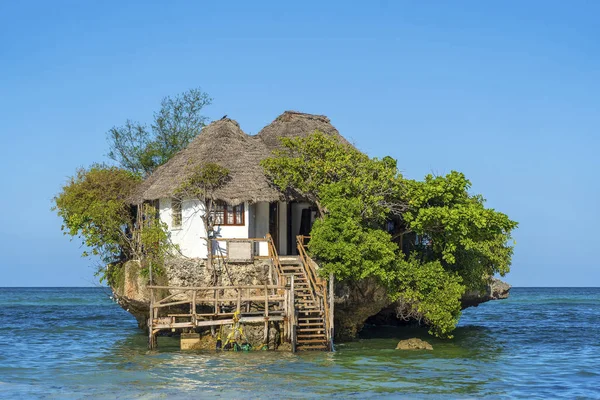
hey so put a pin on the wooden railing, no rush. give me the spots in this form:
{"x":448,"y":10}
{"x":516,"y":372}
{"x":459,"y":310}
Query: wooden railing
{"x":315,"y":280}
{"x":217,"y":297}
{"x":321,"y":291}
{"x":220,"y":305}
{"x":275,"y":259}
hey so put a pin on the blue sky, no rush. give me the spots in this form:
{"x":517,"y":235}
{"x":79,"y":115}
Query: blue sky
{"x":506,"y":92}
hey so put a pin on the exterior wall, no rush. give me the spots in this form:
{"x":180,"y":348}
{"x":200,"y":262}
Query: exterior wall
{"x":190,"y":235}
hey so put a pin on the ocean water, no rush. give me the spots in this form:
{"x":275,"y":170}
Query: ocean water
{"x":76,"y":343}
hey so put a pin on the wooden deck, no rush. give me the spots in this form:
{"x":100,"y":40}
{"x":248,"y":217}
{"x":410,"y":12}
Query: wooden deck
{"x":299,"y":300}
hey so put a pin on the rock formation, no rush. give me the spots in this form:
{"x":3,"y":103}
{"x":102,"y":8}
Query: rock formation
{"x":355,"y":303}
{"x":413,"y":344}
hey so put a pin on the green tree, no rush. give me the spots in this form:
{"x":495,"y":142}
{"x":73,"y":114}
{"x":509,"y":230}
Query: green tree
{"x":94,"y":208}
{"x":455,"y":228}
{"x":460,"y":244}
{"x":309,"y":166}
{"x":428,"y":293}
{"x":141,"y":148}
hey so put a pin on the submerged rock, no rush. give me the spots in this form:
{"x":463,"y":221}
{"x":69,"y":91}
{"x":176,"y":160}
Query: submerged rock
{"x":413,"y":344}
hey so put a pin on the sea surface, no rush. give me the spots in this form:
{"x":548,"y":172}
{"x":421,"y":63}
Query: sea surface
{"x":72,"y":343}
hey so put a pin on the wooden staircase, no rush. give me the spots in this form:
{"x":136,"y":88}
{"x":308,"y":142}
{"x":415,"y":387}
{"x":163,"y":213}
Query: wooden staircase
{"x":311,"y":328}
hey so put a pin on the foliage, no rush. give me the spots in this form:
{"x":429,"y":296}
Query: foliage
{"x":309,"y":166}
{"x":428,"y":292}
{"x":154,"y":241}
{"x":460,"y":242}
{"x":345,"y":244}
{"x":94,"y":208}
{"x":456,"y":228}
{"x":141,"y":149}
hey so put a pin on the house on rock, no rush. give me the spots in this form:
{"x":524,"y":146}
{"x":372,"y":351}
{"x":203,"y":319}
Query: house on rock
{"x":252,"y":221}
{"x":249,"y":206}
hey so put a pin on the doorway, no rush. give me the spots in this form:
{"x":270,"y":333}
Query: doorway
{"x":274,"y":223}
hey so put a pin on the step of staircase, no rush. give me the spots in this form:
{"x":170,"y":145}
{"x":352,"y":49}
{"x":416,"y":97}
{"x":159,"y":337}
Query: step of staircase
{"x":313,"y":347}
{"x":310,"y":329}
{"x":291,"y":260}
{"x":311,"y":341}
{"x":309,"y":336}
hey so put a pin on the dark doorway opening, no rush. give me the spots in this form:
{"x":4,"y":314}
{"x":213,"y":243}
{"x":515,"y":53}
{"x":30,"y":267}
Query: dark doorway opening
{"x":274,"y":223}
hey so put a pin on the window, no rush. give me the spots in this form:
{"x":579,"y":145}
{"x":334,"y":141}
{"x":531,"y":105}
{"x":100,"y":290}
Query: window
{"x":176,"y":213}
{"x":226,"y":214}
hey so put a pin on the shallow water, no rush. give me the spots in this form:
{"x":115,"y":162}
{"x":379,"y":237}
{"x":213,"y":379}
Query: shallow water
{"x":75,"y":343}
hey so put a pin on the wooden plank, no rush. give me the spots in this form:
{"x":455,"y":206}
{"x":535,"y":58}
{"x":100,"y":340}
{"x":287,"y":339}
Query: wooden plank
{"x":216,"y":295}
{"x":240,"y":239}
{"x":210,"y":301}
{"x":207,"y":288}
{"x":250,"y":320}
{"x":194,"y":302}
{"x":171,"y":304}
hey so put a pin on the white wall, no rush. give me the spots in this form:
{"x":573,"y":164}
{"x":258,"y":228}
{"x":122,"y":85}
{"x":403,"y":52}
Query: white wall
{"x":190,"y":235}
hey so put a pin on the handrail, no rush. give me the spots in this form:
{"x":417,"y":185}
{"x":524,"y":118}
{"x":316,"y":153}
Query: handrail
{"x":310,"y":270}
{"x":241,"y":239}
{"x":314,"y":278}
{"x":213,"y":297}
{"x":275,"y":258}
{"x":217,"y":287}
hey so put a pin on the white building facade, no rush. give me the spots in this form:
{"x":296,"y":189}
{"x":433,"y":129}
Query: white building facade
{"x":283,"y":220}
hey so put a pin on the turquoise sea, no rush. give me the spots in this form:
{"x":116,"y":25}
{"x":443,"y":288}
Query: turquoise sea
{"x":76,"y":343}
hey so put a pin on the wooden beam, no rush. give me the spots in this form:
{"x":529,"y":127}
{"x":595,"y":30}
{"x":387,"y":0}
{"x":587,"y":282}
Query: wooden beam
{"x":207,"y":288}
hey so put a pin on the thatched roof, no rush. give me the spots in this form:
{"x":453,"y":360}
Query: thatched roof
{"x":293,"y":124}
{"x":224,"y":143}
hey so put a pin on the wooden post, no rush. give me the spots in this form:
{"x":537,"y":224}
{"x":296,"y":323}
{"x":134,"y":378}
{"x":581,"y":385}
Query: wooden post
{"x":248,"y":294}
{"x":331,"y":310}
{"x":285,"y":316}
{"x":216,"y":295}
{"x":239,"y":300}
{"x":266,"y":334}
{"x":293,"y":317}
{"x":193,"y":307}
{"x":151,"y":338}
